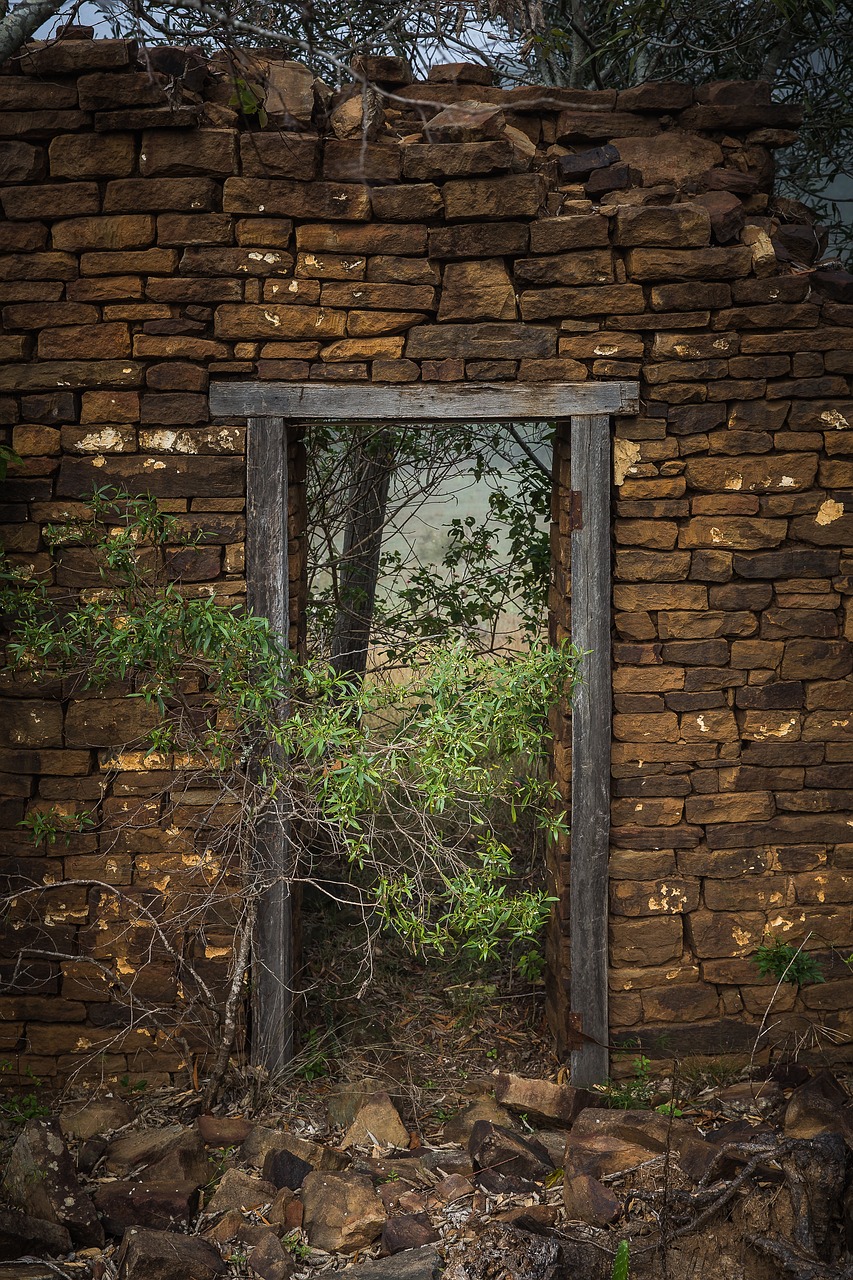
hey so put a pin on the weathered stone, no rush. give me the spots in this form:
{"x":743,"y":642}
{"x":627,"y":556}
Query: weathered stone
{"x":600,"y":124}
{"x":588,"y":1200}
{"x":377,"y":1123}
{"x":98,"y":1116}
{"x":40,"y":1180}
{"x":283,"y":198}
{"x":593,"y":267}
{"x":467,"y":122}
{"x":165,"y":1255}
{"x":459,"y":1127}
{"x":342,"y":1212}
{"x":377,"y":238}
{"x":70,"y":57}
{"x":514,"y":196}
{"x":673,"y":226}
{"x":541,"y":1100}
{"x":407,"y":203}
{"x":689,"y":264}
{"x":479,"y":240}
{"x":240,"y":1190}
{"x":408,"y":1231}
{"x":270,"y":1260}
{"x":543,"y":304}
{"x":727,"y":214}
{"x":428,"y":162}
{"x":284,"y":1169}
{"x":351,"y":159}
{"x":674,"y":156}
{"x":556,"y":235}
{"x":278,"y":321}
{"x":577,"y":166}
{"x":166,"y":1206}
{"x":485,"y":341}
{"x":20,"y":162}
{"x":503,"y":1249}
{"x":479,"y":290}
{"x":495,"y":1147}
{"x":22,"y":1234}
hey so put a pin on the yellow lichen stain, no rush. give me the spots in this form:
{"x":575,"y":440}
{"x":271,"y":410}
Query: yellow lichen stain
{"x":741,"y":936}
{"x":779,"y":731}
{"x":834,"y":419}
{"x":716,"y":534}
{"x":733,"y":481}
{"x":107,"y":438}
{"x":273,"y":319}
{"x":625,"y":454}
{"x":829,"y":511}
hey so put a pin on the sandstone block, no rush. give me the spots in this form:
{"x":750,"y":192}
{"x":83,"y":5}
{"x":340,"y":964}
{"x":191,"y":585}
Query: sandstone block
{"x":353,"y":160}
{"x":276,"y":321}
{"x":92,"y":156}
{"x":645,"y":940}
{"x":379,"y":238}
{"x":479,"y":341}
{"x":751,"y":806}
{"x":342,"y":1213}
{"x":20,"y":162}
{"x":557,"y":235}
{"x":40,"y":1179}
{"x":166,"y":153}
{"x":671,"y":226}
{"x":366,"y":296}
{"x":592,"y":267}
{"x":73,"y":374}
{"x":161,"y":195}
{"x":364,"y":349}
{"x":640,"y":898}
{"x":146,"y":1254}
{"x":514,"y":196}
{"x":715,"y":934}
{"x":428,"y":162}
{"x":479,"y":240}
{"x":689,"y":264}
{"x":739,"y":533}
{"x":595,"y":125}
{"x":70,"y":57}
{"x":346,"y":202}
{"x":543,"y":304}
{"x":467,"y":122}
{"x":674,"y":156}
{"x":479,"y":290}
{"x":407,"y":203}
{"x":100,"y":341}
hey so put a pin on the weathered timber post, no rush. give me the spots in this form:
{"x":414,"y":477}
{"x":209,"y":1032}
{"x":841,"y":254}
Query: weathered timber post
{"x":591,"y":724}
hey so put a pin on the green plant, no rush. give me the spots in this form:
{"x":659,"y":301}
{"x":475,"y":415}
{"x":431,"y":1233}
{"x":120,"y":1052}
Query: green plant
{"x":314,"y":1062}
{"x":47,"y":825}
{"x":389,"y":787}
{"x":296,"y":1247}
{"x":787,"y":963}
{"x":8,"y":458}
{"x":248,"y":100}
{"x":622,"y":1262}
{"x":21,"y":1107}
{"x":634,"y":1092}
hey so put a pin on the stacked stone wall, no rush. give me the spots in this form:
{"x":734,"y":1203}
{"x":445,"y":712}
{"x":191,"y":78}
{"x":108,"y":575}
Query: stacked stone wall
{"x":153,"y":239}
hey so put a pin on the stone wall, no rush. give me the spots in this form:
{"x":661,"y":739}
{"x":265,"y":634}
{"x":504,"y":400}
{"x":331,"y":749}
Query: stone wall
{"x":153,"y":239}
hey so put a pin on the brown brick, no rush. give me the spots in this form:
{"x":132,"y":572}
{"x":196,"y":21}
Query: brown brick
{"x":828,"y":726}
{"x":131,"y":231}
{"x":427,"y":162}
{"x":488,"y":341}
{"x":737,"y":533}
{"x":672,"y":896}
{"x":597,"y":125}
{"x":478,"y":240}
{"x":42,"y":124}
{"x":595,"y":266}
{"x":676,"y":595}
{"x":70,"y":57}
{"x":557,"y":235}
{"x":178,"y":229}
{"x":403,"y":297}
{"x":174,"y":409}
{"x":180,"y":348}
{"x":478,"y":290}
{"x":655,"y":534}
{"x":586,"y":346}
{"x":644,"y":941}
{"x":689,"y":297}
{"x":187,"y":291}
{"x":365,"y":324}
{"x":73,"y":374}
{"x":716,"y":933}
{"x":689,"y":264}
{"x":756,"y":654}
{"x":272,"y":320}
{"x":161,"y":195}
{"x":395,"y":371}
{"x":790,"y":472}
{"x":647,"y":811}
{"x":167,"y":153}
{"x":729,"y":807}
{"x":673,"y":226}
{"x":364,"y":349}
{"x":379,"y":238}
{"x":175,"y":375}
{"x":672,"y":370}
{"x":279,"y":155}
{"x":817,"y":659}
{"x":556,"y":369}
{"x":20,"y":162}
{"x":22,"y":237}
{"x":353,"y":160}
{"x":38,"y":266}
{"x":92,"y":156}
{"x":347,"y":202}
{"x":27,"y":722}
{"x":184,"y":477}
{"x":542,"y":304}
{"x":99,"y":341}
{"x":109,"y":406}
{"x":44,"y":315}
{"x":106,"y":290}
{"x":331,"y":266}
{"x":201,"y":261}
{"x":407,"y":204}
{"x":145,"y":261}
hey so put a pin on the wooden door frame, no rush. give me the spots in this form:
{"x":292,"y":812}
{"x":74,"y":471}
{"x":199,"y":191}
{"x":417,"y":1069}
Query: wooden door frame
{"x":267,"y":407}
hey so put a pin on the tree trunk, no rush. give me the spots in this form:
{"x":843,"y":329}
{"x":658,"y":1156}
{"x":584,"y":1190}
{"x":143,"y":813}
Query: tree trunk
{"x":373,"y":462}
{"x":17,"y":26}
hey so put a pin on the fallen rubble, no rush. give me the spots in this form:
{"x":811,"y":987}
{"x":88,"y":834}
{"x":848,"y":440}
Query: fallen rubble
{"x":748,"y":1184}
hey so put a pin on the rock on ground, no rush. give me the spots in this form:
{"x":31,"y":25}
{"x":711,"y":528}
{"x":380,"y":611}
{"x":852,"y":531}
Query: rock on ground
{"x":40,"y":1179}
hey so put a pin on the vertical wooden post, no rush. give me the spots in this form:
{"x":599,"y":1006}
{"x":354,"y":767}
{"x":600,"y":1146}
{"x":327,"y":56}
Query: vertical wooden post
{"x":591,"y":726}
{"x":268,"y":594}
